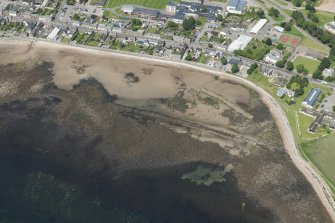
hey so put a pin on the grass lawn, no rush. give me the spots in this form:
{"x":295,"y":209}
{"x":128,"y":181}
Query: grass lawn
{"x":322,"y":153}
{"x":255,"y":50}
{"x":310,"y":64}
{"x":156,"y":4}
{"x":325,"y":17}
{"x":309,"y":43}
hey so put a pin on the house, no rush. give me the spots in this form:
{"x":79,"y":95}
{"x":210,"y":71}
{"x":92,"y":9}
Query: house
{"x":328,"y":72}
{"x":37,"y":28}
{"x":171,"y":8}
{"x":330,"y":27}
{"x":273,"y":56}
{"x":13,"y":11}
{"x":178,"y":17}
{"x":236,"y":6}
{"x":30,"y":25}
{"x":311,"y":98}
{"x":284,"y":91}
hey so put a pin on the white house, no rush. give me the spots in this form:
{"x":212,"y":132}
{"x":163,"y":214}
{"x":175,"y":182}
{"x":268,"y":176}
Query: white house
{"x":273,"y":56}
{"x":330,"y":27}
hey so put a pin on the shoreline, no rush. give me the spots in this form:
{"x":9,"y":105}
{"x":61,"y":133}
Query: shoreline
{"x":318,"y":184}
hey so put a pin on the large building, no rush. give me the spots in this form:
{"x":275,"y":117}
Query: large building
{"x":259,"y":25}
{"x":330,"y":27}
{"x":236,"y":6}
{"x":311,"y":98}
{"x":240,"y":43}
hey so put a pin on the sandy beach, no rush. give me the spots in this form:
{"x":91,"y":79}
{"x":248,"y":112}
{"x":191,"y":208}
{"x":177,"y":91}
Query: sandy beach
{"x":69,"y":71}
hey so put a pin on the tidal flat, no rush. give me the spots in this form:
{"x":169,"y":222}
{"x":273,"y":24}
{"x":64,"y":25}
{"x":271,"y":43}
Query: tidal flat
{"x":96,"y":138}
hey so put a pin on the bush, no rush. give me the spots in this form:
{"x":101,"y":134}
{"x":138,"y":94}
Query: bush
{"x":274,"y":12}
{"x":224,"y":60}
{"x":189,"y":24}
{"x":290,"y":65}
{"x":300,"y":68}
{"x":235,"y":69}
{"x":268,"y":42}
{"x":280,"y":46}
{"x":280,"y":64}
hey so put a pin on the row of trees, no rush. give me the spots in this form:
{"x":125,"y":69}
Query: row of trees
{"x":313,"y":29}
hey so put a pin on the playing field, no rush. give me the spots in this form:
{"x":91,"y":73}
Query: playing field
{"x":290,"y":40}
{"x":322,"y":154}
{"x":155,"y":4}
{"x":310,"y":64}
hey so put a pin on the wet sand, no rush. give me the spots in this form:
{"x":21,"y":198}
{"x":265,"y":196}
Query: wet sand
{"x":220,"y":107}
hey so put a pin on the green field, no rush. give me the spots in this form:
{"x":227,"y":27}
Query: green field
{"x":155,"y":4}
{"x":255,"y":50}
{"x":310,"y":64}
{"x":322,"y":153}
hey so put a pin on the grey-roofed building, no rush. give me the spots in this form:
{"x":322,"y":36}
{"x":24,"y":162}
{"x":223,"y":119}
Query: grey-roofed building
{"x":236,"y":6}
{"x":273,"y":56}
{"x":145,"y":13}
{"x":311,"y":98}
{"x":283,"y":91}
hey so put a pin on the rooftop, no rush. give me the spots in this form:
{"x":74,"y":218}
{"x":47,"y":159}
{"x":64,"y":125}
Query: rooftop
{"x":238,"y":4}
{"x":312,"y":97}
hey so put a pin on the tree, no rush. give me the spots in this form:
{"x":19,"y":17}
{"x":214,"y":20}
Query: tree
{"x":316,"y":74}
{"x":290,"y":65}
{"x":260,"y":13}
{"x":334,"y":108}
{"x":299,"y":92}
{"x":219,"y":17}
{"x":300,"y":68}
{"x":274,"y":12}
{"x":224,"y":60}
{"x":310,"y":8}
{"x":172,"y":25}
{"x":268,"y":42}
{"x":288,"y":27}
{"x":189,"y":23}
{"x":210,"y":45}
{"x":189,"y":57}
{"x":76,"y":17}
{"x":280,"y":64}
{"x":325,"y":63}
{"x":280,"y":46}
{"x":332,"y":53}
{"x":235,"y":69}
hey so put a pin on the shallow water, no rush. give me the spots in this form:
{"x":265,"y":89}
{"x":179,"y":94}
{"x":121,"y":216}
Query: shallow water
{"x":75,"y":156}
